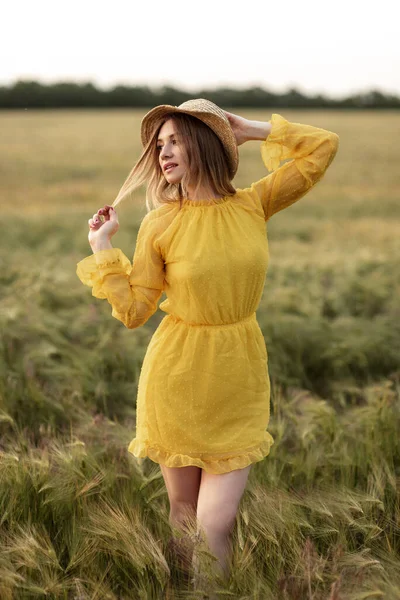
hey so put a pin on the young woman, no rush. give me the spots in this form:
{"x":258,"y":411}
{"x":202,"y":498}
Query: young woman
{"x":203,"y":403}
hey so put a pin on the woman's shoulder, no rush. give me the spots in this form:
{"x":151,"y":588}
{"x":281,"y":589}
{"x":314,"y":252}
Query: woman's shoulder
{"x":158,"y":220}
{"x":247,"y":200}
{"x":166,"y":209}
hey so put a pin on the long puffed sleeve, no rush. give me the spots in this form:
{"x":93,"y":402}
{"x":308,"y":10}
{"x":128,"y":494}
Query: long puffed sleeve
{"x":313,"y":149}
{"x":132,"y":290}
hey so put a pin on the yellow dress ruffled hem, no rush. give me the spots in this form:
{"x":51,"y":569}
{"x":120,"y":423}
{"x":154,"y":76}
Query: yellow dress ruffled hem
{"x":223,"y":464}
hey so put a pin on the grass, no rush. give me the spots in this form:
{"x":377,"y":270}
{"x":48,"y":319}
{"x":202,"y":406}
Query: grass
{"x":80,"y":518}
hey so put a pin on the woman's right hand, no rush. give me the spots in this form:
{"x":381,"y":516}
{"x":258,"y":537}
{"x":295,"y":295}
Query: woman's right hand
{"x":99,"y":231}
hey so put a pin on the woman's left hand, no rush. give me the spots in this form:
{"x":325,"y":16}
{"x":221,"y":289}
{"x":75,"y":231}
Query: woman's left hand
{"x":240,"y":127}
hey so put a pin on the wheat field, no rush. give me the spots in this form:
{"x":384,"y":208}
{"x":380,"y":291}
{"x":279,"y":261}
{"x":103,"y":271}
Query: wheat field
{"x":80,"y":519}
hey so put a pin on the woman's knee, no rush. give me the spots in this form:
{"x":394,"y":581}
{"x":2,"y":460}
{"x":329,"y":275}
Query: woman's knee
{"x":216,"y":520}
{"x":183,"y":514}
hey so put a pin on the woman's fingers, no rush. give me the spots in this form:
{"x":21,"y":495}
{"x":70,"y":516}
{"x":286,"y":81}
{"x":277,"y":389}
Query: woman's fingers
{"x":96,"y":222}
{"x":105,"y":211}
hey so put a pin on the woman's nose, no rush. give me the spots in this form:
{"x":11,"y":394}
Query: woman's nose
{"x":165,"y":152}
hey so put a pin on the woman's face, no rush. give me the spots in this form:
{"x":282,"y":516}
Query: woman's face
{"x":169,"y":147}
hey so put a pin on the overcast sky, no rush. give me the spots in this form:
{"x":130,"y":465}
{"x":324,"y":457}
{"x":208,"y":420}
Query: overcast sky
{"x":335,"y":48}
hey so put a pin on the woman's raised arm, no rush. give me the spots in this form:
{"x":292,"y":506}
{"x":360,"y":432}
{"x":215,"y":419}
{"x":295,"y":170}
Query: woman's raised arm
{"x":312,"y":150}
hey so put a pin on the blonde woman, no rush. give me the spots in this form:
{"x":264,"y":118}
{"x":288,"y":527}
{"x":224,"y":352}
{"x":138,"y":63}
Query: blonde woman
{"x":203,"y":403}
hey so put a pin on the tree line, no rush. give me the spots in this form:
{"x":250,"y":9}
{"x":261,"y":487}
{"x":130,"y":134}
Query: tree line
{"x":24,"y":94}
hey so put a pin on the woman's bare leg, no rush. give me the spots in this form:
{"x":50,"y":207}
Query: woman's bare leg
{"x":218,"y":502}
{"x":183,"y":484}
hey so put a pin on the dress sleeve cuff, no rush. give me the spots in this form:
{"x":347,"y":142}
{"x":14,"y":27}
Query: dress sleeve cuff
{"x":273,"y":149}
{"x":92,"y":269}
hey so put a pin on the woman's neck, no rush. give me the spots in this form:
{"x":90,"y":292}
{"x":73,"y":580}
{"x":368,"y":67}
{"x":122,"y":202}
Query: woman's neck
{"x":202,"y":194}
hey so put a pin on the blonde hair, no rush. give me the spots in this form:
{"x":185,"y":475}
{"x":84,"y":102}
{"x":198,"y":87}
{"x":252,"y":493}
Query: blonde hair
{"x":205,"y":157}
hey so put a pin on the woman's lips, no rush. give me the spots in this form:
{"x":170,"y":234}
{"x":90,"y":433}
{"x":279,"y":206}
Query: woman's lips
{"x":170,"y":168}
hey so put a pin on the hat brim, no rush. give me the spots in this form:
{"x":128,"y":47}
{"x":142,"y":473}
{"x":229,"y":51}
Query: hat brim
{"x":221,"y":128}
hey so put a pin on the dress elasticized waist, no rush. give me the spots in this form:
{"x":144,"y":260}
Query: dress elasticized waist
{"x":176,"y":319}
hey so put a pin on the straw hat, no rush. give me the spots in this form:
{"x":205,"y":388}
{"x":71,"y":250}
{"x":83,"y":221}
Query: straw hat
{"x":206,"y":111}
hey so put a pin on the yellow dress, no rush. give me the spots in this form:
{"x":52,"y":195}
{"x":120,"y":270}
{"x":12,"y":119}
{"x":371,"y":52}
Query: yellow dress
{"x":204,"y":391}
